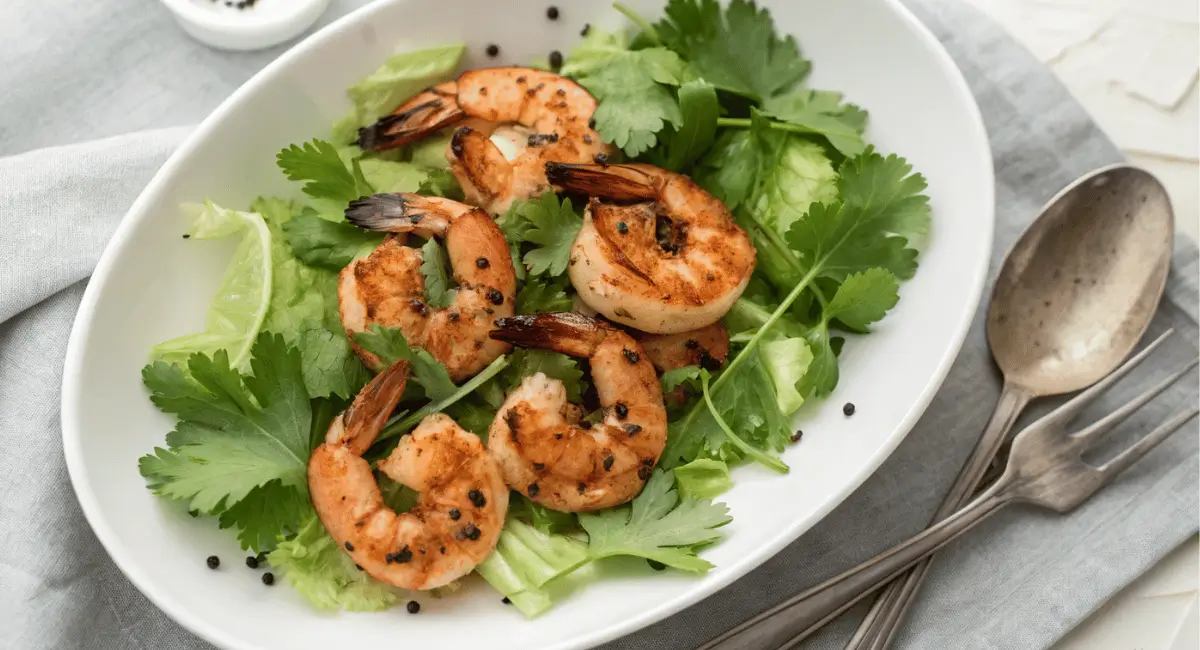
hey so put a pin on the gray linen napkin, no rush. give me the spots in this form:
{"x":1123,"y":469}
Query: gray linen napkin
{"x":75,"y":71}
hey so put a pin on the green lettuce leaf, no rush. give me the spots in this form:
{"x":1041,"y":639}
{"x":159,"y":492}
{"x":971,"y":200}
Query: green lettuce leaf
{"x":399,"y":78}
{"x":312,"y":564}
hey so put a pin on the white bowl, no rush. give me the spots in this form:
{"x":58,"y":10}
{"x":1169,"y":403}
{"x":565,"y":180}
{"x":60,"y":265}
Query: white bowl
{"x":267,"y":23}
{"x":151,"y":285}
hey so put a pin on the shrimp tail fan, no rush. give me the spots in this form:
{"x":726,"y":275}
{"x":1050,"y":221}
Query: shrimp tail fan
{"x":408,"y":125}
{"x":567,"y":332}
{"x":383,"y":212}
{"x":619,"y":183}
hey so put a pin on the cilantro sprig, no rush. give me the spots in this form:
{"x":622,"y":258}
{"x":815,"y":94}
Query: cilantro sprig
{"x":240,"y":448}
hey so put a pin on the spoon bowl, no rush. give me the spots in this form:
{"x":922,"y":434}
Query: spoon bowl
{"x":1078,"y":289}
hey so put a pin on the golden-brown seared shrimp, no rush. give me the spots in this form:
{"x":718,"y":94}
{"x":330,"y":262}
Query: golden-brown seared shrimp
{"x":546,"y":452}
{"x":387,"y":287}
{"x":514,"y":121}
{"x":663,"y":256}
{"x":707,"y":347}
{"x":457,"y":518}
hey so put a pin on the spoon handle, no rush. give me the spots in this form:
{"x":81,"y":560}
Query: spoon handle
{"x":879,"y":628}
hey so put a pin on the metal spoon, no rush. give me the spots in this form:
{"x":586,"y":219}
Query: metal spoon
{"x":1074,"y":296}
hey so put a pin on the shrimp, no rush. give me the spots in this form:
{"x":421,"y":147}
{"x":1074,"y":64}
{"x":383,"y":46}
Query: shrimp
{"x":545,"y":451}
{"x":387,"y":287}
{"x":707,"y":347}
{"x":463,"y":500}
{"x":663,"y":256}
{"x":513,"y":121}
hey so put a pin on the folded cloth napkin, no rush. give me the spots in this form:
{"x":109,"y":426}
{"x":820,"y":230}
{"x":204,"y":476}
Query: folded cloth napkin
{"x":74,"y":71}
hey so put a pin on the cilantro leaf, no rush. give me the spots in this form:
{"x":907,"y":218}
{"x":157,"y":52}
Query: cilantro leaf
{"x":389,"y":344}
{"x":736,"y":50}
{"x":326,"y":244}
{"x":658,"y":526}
{"x":553,"y":232}
{"x":822,"y":112}
{"x":729,"y":171}
{"x":267,"y":512}
{"x":473,"y":414}
{"x":543,"y":296}
{"x":863,"y":298}
{"x":439,"y":291}
{"x":671,"y":379}
{"x":304,"y":309}
{"x":326,"y":176}
{"x":881,"y":203}
{"x":235,"y":434}
{"x":699,"y":109}
{"x":525,"y":363}
{"x":636,"y":102}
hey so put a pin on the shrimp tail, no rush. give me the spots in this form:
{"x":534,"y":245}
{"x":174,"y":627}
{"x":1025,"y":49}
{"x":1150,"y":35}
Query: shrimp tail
{"x":620,"y":183}
{"x":364,"y":419}
{"x":567,"y":332}
{"x":429,"y":111}
{"x":383,"y":212}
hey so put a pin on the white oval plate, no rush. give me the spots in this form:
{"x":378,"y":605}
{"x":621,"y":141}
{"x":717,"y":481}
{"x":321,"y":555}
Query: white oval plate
{"x":151,"y":285}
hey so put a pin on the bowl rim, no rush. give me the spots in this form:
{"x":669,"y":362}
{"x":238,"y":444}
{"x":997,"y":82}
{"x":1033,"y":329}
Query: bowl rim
{"x":72,"y":388}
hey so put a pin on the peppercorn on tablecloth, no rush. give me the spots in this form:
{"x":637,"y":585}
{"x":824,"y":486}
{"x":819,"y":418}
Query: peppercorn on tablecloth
{"x":75,"y":72}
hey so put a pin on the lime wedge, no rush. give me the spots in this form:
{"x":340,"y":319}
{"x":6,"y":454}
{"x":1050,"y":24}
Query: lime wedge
{"x":237,"y":311}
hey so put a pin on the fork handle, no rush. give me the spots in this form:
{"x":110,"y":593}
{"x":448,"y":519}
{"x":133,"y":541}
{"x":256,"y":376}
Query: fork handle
{"x":879,"y":626}
{"x":788,"y":623}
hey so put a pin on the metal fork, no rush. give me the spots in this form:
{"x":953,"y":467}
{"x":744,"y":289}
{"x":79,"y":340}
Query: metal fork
{"x":1045,"y":468}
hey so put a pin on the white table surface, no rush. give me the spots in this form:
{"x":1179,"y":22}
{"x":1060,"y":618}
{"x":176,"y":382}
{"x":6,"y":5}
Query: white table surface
{"x":1133,"y":64}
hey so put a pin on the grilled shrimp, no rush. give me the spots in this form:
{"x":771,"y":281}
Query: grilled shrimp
{"x":656,"y":251}
{"x":387,"y":287}
{"x":457,"y":519}
{"x":513,"y":121}
{"x":707,"y":347}
{"x":545,"y":451}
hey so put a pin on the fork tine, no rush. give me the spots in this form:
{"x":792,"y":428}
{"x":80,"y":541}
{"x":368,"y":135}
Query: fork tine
{"x":1140,"y":448}
{"x":1110,"y":421}
{"x":1062,"y":416}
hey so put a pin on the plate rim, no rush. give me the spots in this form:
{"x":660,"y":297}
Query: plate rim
{"x":137,"y":212}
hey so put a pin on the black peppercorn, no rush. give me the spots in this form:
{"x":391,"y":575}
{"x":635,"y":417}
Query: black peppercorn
{"x":633,"y":429}
{"x":476,"y":498}
{"x":268,"y":578}
{"x":252,"y":562}
{"x":455,"y":514}
{"x":213,"y":561}
{"x":848,"y":409}
{"x":631,"y":356}
{"x":622,"y":227}
{"x":644,"y":473}
{"x":495,"y":297}
{"x":482,"y":263}
{"x":413,"y":607}
{"x":533,"y":489}
{"x":622,"y":411}
{"x":556,"y":60}
{"x":608,"y":462}
{"x":349,"y":546}
{"x":493,"y":50}
{"x":552,"y":13}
